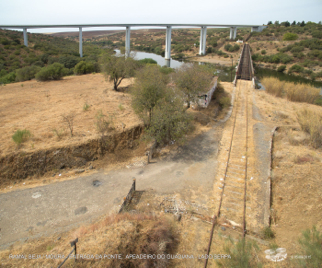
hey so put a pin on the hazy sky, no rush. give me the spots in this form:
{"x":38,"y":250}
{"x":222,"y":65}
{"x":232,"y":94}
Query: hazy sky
{"x":149,"y":11}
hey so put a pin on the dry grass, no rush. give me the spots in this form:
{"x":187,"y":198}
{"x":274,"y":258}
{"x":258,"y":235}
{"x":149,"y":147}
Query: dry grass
{"x":311,"y":122}
{"x":293,"y":92}
{"x":39,"y":106}
{"x":116,"y":234}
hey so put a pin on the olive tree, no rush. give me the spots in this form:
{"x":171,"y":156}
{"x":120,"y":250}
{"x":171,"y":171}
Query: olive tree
{"x":192,"y":80}
{"x":149,"y":87}
{"x":170,"y":121}
{"x":117,"y":68}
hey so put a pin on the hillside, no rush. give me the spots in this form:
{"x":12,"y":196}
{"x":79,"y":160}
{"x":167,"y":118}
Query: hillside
{"x":297,"y":47}
{"x":42,"y":50}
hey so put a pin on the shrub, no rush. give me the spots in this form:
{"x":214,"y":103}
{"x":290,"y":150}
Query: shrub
{"x":311,"y":122}
{"x":281,"y":68}
{"x":224,"y":102}
{"x":26,"y":73}
{"x":52,"y":72}
{"x":296,"y":68}
{"x":83,"y":68}
{"x":267,"y":233}
{"x":310,"y":243}
{"x":21,"y":136}
{"x":85,"y":107}
{"x":9,"y":78}
{"x":242,"y":254}
{"x":290,"y":36}
{"x":148,"y":61}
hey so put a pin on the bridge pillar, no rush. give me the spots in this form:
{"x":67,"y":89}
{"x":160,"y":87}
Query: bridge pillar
{"x":203,"y":37}
{"x":25,"y":37}
{"x":127,"y":41}
{"x":80,"y":42}
{"x":168,"y":43}
{"x":231,"y":33}
{"x":235,"y":32}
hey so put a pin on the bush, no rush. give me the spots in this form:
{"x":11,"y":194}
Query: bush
{"x":242,"y":254}
{"x":83,"y":68}
{"x":281,"y":68}
{"x":290,"y":36}
{"x":267,"y":233}
{"x":224,"y":102}
{"x":52,"y":72}
{"x":148,"y":61}
{"x":21,"y":136}
{"x":26,"y":73}
{"x":310,"y":243}
{"x":263,"y":52}
{"x":311,"y":122}
{"x":9,"y":78}
{"x":296,"y":68}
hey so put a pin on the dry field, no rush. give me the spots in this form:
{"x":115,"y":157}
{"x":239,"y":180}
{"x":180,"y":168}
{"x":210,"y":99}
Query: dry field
{"x":39,"y":106}
{"x":296,"y":171}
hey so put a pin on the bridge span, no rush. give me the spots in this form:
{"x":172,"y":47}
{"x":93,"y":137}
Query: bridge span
{"x":203,"y":32}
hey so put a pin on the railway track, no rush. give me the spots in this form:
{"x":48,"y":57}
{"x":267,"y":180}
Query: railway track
{"x":231,"y":178}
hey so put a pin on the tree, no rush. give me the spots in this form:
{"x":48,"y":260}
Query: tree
{"x":302,"y":24}
{"x":117,"y":68}
{"x":148,"y":89}
{"x":269,"y":23}
{"x":192,"y":80}
{"x":170,"y":122}
{"x":293,"y":23}
{"x":277,"y":23}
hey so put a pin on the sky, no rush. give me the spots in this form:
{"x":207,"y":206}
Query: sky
{"x":251,"y":12}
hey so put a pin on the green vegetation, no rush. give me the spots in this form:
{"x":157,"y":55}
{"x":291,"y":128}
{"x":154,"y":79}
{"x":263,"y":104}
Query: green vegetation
{"x":20,"y":63}
{"x":21,"y":136}
{"x":267,"y":233}
{"x":160,"y":104}
{"x":118,"y":68}
{"x":26,"y":73}
{"x":242,"y":254}
{"x":148,"y":61}
{"x":311,"y":246}
{"x":85,"y":107}
{"x":54,"y":71}
{"x":232,"y":48}
{"x":290,"y":36}
{"x":281,"y":68}
{"x":192,"y":80}
{"x":84,"y":68}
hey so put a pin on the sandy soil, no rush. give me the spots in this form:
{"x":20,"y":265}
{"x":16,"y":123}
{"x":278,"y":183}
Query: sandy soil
{"x":39,"y":106}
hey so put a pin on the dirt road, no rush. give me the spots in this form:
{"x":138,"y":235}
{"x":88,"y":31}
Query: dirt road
{"x":58,"y":207}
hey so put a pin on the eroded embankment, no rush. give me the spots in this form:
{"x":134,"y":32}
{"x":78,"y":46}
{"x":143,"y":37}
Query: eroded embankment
{"x":20,"y":165}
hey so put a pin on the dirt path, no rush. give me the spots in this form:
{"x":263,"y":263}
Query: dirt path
{"x":58,"y":207}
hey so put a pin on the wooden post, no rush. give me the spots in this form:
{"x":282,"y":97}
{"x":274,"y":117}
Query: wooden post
{"x":73,"y":244}
{"x":134,"y":183}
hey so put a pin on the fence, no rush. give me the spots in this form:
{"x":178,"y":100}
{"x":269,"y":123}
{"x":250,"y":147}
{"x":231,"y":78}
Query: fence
{"x":129,"y":196}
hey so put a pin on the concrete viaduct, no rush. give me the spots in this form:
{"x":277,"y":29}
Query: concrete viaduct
{"x":203,"y":32}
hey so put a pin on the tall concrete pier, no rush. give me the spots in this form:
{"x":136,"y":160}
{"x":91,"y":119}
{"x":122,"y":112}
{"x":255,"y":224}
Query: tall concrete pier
{"x":203,"y":33}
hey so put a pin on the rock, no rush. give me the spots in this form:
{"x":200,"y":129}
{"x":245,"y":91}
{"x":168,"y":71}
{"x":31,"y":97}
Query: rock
{"x":81,"y":210}
{"x":58,"y":238}
{"x":223,"y":228}
{"x":77,"y":171}
{"x":177,"y":217}
{"x":90,"y":167}
{"x":54,"y":175}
